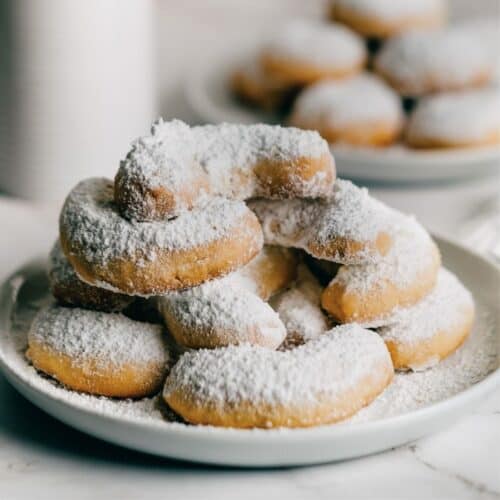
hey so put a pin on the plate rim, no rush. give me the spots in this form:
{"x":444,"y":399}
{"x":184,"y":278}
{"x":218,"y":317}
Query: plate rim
{"x":360,"y":163}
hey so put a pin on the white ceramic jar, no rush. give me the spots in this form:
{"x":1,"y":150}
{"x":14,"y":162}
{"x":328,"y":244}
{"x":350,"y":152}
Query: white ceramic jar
{"x":79,"y":85}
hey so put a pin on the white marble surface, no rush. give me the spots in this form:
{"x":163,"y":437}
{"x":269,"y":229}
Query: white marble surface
{"x":44,"y":459}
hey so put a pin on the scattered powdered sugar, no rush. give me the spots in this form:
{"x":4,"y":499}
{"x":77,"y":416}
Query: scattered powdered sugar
{"x":350,"y":213}
{"x":393,"y":10}
{"x":218,"y":160}
{"x":422,"y":61}
{"x":448,"y":306}
{"x":300,"y":309}
{"x":91,"y":222}
{"x":321,"y":369}
{"x":470,"y":364}
{"x":337,"y":104}
{"x":458,"y":117}
{"x":329,"y":45}
{"x":408,"y":392}
{"x":106,"y":338}
{"x":412,"y":254}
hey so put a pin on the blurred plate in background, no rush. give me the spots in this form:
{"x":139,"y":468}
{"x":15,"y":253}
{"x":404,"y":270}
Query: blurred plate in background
{"x":210,"y":99}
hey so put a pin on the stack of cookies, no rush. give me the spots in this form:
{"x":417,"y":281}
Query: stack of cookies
{"x":381,"y":71}
{"x":228,"y":265}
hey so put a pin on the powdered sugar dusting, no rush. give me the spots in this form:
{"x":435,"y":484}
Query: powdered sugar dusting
{"x":60,"y":270}
{"x":230,"y":310}
{"x":487,"y":29}
{"x":222,"y":308}
{"x":218,"y":160}
{"x":106,"y":338}
{"x":412,"y":253}
{"x":456,"y":117}
{"x":317,"y":43}
{"x":421,"y":61}
{"x":69,"y":289}
{"x":350,"y":213}
{"x":337,"y":104}
{"x":163,"y":157}
{"x":91,"y":222}
{"x":470,"y":364}
{"x":225,"y":148}
{"x":322,"y":368}
{"x":300,"y":309}
{"x":448,"y":306}
{"x":408,"y":392}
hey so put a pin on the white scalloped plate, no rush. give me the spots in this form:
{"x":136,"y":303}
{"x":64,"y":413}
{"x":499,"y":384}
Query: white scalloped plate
{"x":118,"y":423}
{"x":208,"y":95}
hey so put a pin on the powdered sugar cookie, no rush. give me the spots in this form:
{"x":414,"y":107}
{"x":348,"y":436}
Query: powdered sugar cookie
{"x":100,"y":353}
{"x":449,"y":120}
{"x":252,"y":85}
{"x":70,"y":290}
{"x":421,"y":63}
{"x":135,"y":258}
{"x":362,"y":111}
{"x":323,"y":381}
{"x":232,"y":310}
{"x":487,"y":30}
{"x":422,"y":335}
{"x":350,"y":227}
{"x":299,"y":308}
{"x":386,"y":18}
{"x":303,"y":52}
{"x":368,"y":294}
{"x":177,"y":168}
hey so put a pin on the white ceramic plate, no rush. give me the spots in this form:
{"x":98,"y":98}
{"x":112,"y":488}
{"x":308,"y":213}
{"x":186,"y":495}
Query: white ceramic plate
{"x":127,"y":424}
{"x":208,"y":96}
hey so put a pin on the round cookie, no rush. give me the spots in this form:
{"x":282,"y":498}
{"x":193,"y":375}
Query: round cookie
{"x":253,"y":86}
{"x":70,"y":290}
{"x":387,"y":18}
{"x":232,"y":310}
{"x":419,"y":63}
{"x":99,"y":353}
{"x":324,"y":381}
{"x":152,"y":258}
{"x":299,"y":308}
{"x":369,"y":294}
{"x":362,"y":111}
{"x":350,"y":227}
{"x":453,"y":120}
{"x":424,"y":334}
{"x":178,"y":167}
{"x":303,"y":52}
